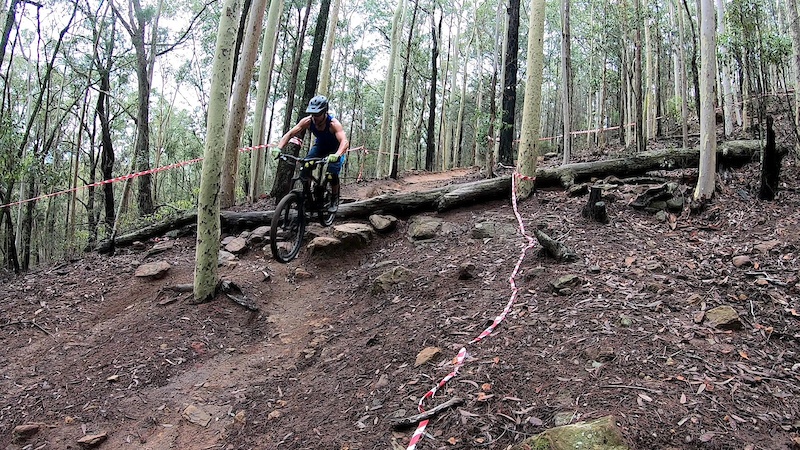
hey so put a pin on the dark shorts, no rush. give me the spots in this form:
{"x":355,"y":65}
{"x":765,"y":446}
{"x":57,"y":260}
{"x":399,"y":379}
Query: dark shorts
{"x":333,"y":168}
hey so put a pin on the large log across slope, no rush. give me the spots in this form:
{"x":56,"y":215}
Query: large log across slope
{"x":729,"y":154}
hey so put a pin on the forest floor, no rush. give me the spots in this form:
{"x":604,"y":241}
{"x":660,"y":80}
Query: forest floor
{"x":329,"y":363}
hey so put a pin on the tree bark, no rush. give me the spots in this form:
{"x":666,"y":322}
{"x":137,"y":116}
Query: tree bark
{"x":706,"y":180}
{"x":430,"y":146}
{"x":206,"y":275}
{"x":239,"y":104}
{"x":510,"y":86}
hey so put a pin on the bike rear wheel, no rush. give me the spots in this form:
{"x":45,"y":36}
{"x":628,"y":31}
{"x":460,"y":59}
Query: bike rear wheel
{"x":287,"y":229}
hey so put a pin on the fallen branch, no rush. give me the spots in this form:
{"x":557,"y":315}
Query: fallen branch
{"x":409,"y":421}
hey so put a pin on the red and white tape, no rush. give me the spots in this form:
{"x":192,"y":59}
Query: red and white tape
{"x":458,"y":361}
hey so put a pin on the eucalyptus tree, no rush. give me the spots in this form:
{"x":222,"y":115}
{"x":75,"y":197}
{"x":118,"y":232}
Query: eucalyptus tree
{"x":206,"y":275}
{"x":388,"y":91}
{"x":566,"y":79}
{"x":142,"y":25}
{"x":260,"y":137}
{"x":239,"y":105}
{"x":509,"y":95}
{"x":531,"y":110}
{"x":706,"y":180}
{"x":430,"y":146}
{"x":794,"y":28}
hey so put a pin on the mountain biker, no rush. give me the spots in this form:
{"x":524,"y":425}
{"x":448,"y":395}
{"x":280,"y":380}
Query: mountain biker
{"x":331,"y":142}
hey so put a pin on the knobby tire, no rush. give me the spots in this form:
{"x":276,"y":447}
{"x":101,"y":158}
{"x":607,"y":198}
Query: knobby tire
{"x":287,"y":229}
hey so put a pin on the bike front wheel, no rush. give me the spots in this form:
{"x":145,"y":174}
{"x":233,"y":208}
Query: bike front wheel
{"x":326,"y":216}
{"x":287,"y":229}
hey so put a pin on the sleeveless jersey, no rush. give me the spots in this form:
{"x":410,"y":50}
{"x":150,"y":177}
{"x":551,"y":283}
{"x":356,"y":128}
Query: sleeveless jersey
{"x":326,"y":140}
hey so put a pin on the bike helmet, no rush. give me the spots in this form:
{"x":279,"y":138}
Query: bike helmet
{"x":317,"y":105}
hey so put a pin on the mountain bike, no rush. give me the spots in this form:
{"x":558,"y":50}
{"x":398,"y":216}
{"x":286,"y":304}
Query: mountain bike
{"x":299,"y":207}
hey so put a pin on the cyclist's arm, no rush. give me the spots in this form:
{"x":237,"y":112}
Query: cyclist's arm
{"x":338,"y":131}
{"x":302,"y":125}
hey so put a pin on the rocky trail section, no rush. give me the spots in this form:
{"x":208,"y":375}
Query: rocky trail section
{"x":629,"y":329}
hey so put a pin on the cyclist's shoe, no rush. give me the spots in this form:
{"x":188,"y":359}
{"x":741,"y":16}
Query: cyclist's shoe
{"x":334,"y":205}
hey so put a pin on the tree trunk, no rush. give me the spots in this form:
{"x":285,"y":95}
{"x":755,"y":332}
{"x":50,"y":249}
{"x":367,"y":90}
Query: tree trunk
{"x":206,"y":275}
{"x":403,"y":82}
{"x":706,"y":181}
{"x":794,"y":27}
{"x":727,"y":90}
{"x":770,"y":166}
{"x":384,"y":145}
{"x":260,"y":136}
{"x":238,"y":103}
{"x":510,"y":85}
{"x":430,"y":145}
{"x":325,"y":78}
{"x":532,"y":106}
{"x":566,"y":81}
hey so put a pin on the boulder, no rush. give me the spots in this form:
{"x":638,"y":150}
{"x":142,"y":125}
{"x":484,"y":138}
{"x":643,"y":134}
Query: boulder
{"x":600,"y":434}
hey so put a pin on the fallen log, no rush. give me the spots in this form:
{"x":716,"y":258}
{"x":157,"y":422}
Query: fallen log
{"x":729,"y":154}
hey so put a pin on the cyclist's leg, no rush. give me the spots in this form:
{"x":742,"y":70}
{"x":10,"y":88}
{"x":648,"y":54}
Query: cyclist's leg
{"x":333,"y":171}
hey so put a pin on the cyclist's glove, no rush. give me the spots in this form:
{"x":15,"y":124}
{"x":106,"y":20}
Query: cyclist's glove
{"x":333,"y":158}
{"x":275,"y":151}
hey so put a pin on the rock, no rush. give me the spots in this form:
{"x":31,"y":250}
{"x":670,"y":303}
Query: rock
{"x":391,"y":277}
{"x":466,"y":271}
{"x":563,"y":418}
{"x":724,"y":318}
{"x":23,"y":432}
{"x":675,"y":204}
{"x":600,"y":434}
{"x":768,"y":246}
{"x":302,"y":274}
{"x":153,"y":270}
{"x":422,"y":228}
{"x":741,"y":260}
{"x":92,"y":440}
{"x":138,"y":246}
{"x":258,"y":235}
{"x":489,"y":229}
{"x":324,"y":245}
{"x":226,"y":240}
{"x":354,"y":234}
{"x":426,"y":355}
{"x":565,"y":282}
{"x":160,"y":247}
{"x":197,"y":415}
{"x":226,"y":259}
{"x":236,"y":245}
{"x":383,"y":223}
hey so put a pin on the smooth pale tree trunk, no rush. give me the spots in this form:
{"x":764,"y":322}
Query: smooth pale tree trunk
{"x":708,"y":134}
{"x":532,"y":106}
{"x":206,"y":275}
{"x":566,"y":81}
{"x":794,"y":28}
{"x":684,"y":84}
{"x":638,"y":89}
{"x":238,"y":103}
{"x":458,"y":154}
{"x":396,"y":122}
{"x":510,"y":85}
{"x":388,"y":93}
{"x":327,"y":54}
{"x":448,"y":150}
{"x":264,"y":84}
{"x":727,"y":90}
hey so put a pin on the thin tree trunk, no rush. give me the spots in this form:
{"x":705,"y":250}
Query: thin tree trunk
{"x":430,"y":145}
{"x":510,"y":85}
{"x":531,"y":110}
{"x":384,"y":146}
{"x":708,"y":134}
{"x":257,"y":156}
{"x":239,"y":104}
{"x":398,"y":128}
{"x":206,"y":275}
{"x":566,"y":81}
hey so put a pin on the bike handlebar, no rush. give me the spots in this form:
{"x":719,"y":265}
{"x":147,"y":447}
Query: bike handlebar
{"x":295,"y":159}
